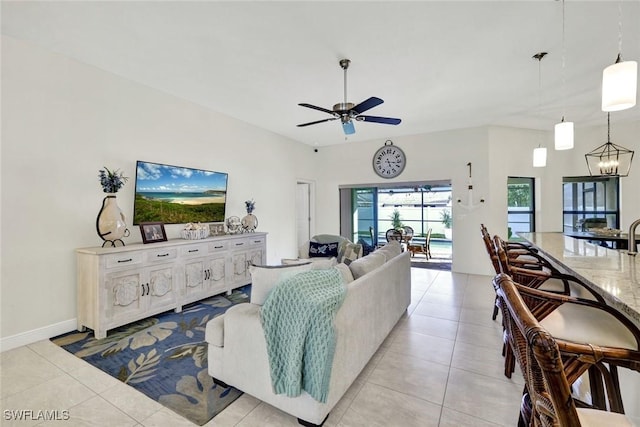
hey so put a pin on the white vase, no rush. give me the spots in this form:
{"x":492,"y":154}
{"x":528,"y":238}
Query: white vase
{"x":110,"y":224}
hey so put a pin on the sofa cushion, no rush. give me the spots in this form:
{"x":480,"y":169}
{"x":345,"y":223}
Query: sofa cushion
{"x":366,"y":264}
{"x":349,"y":252}
{"x":266,"y":277}
{"x":347,"y":276}
{"x":390,"y":250}
{"x":326,"y":250}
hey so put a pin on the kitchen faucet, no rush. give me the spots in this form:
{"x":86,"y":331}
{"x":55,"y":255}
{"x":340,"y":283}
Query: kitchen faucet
{"x":632,"y":244}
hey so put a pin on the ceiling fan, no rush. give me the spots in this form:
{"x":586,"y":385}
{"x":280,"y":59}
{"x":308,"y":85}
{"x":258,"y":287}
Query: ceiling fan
{"x":347,"y":111}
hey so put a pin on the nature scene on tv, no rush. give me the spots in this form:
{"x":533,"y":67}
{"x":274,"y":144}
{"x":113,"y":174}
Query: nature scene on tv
{"x":177,"y":195}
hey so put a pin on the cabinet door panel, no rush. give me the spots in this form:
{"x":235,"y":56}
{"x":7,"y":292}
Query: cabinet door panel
{"x":256,"y":257}
{"x":217,"y":274}
{"x":239,"y":267}
{"x":194,"y":276}
{"x":160,"y":289}
{"x":123,"y":295}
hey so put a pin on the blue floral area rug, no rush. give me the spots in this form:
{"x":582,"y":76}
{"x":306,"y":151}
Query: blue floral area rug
{"x":164,"y":357}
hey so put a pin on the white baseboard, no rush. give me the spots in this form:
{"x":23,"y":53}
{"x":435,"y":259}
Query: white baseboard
{"x":29,"y":337}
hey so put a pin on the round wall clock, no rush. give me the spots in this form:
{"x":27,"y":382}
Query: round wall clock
{"x":389,"y":161}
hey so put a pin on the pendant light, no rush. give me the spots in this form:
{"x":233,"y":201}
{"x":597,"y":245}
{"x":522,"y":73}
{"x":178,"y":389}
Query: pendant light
{"x":620,"y":80}
{"x":540,"y":153}
{"x":563,"y":135}
{"x":539,"y":157}
{"x":609,"y":159}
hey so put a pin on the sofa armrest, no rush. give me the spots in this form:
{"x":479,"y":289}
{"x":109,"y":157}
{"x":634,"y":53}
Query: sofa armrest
{"x":214,"y":332}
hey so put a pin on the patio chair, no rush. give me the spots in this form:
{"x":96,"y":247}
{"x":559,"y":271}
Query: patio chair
{"x":393,"y":234}
{"x":427,"y":244}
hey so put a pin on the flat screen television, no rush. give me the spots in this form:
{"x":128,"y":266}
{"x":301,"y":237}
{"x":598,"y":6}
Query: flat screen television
{"x":178,"y":195}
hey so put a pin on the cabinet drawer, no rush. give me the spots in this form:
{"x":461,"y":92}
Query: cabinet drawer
{"x":218,"y":246}
{"x":161,"y":254}
{"x":239,"y":244}
{"x":123,"y":259}
{"x":257,"y":241}
{"x":194,"y":250}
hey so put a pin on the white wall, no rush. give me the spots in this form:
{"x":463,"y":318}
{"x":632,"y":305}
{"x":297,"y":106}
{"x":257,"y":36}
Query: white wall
{"x":62,"y":122}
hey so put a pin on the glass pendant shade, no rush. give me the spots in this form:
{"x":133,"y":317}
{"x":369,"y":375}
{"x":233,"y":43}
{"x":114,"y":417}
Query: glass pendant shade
{"x":564,"y":135}
{"x":539,"y":157}
{"x":619,"y":85}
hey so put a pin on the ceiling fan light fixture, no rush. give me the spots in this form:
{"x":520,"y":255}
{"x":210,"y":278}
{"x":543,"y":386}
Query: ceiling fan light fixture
{"x":348,"y":127}
{"x":347,"y":111}
{"x":563,"y":135}
{"x":619,"y":85}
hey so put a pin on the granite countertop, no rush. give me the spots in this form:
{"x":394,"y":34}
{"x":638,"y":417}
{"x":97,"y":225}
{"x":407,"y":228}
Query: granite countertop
{"x":612,"y":273}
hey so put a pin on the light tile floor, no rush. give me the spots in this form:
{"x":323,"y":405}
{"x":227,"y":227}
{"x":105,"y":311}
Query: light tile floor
{"x":440,"y":366}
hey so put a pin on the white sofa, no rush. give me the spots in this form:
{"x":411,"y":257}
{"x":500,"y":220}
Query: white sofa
{"x":376,"y":299}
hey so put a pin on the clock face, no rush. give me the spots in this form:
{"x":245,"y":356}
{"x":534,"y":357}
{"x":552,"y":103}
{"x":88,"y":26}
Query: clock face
{"x":389,"y":161}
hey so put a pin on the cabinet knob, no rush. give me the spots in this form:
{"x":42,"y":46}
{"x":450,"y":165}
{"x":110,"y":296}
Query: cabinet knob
{"x":125,"y":260}
{"x":162,"y":255}
{"x":193,"y":250}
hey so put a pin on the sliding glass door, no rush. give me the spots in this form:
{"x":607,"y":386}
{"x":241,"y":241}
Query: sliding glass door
{"x":367,"y":213}
{"x":364,"y":214}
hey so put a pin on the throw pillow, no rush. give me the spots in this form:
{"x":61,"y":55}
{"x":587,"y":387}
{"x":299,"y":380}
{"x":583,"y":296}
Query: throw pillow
{"x":349,"y":252}
{"x":264,"y":278}
{"x":364,"y":265}
{"x":323,"y":263}
{"x":323,"y":249}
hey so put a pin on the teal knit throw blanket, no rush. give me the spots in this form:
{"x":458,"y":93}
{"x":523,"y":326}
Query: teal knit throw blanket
{"x":297,"y":319}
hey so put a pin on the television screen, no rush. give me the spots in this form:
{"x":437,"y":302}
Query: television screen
{"x":177,"y":195}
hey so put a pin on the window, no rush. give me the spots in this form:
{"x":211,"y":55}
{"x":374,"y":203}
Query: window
{"x":520,"y":205}
{"x":590,"y":202}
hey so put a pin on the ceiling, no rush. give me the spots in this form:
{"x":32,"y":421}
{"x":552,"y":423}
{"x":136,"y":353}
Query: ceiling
{"x":437,"y":65}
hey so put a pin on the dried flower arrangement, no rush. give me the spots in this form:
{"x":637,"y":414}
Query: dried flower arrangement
{"x":111,"y":181}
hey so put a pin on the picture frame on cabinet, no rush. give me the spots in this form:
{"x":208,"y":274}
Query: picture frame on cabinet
{"x":216,"y":229}
{"x":152,"y":232}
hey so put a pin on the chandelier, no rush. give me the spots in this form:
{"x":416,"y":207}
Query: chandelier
{"x":609,"y":158}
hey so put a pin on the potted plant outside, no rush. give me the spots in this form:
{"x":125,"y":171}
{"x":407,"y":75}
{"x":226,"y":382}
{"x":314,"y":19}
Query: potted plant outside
{"x":446,"y":219}
{"x":396,"y":221}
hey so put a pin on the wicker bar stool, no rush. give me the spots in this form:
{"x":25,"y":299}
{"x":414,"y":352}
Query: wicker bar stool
{"x":542,"y":278}
{"x":558,"y":284}
{"x":531,"y":269}
{"x":550,"y":364}
{"x":522,"y":254}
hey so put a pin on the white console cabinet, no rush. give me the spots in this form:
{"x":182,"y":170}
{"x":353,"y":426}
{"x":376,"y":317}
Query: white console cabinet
{"x":120,"y":285}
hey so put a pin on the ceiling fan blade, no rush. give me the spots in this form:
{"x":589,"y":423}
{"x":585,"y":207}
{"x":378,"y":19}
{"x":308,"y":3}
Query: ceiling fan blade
{"x":317,"y":108}
{"x":367,"y":104}
{"x":376,"y":119}
{"x":348,"y":128}
{"x":316,"y":122}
